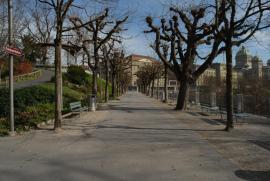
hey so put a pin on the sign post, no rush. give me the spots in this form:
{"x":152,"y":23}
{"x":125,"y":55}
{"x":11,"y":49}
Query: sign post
{"x":11,"y":91}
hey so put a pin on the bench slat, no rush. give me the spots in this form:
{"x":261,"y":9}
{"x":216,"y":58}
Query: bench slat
{"x":77,"y":107}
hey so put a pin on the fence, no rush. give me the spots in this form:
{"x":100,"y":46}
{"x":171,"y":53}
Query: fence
{"x":160,"y":95}
{"x":19,"y":78}
{"x":241,"y":103}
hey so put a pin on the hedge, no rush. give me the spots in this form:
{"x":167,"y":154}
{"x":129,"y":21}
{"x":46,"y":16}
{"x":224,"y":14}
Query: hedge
{"x":33,"y":115}
{"x":31,"y":96}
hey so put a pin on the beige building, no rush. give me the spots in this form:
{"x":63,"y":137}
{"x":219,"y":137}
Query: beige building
{"x":266,"y":71}
{"x":137,"y":61}
{"x":208,"y":74}
{"x":251,"y":67}
{"x":221,"y":74}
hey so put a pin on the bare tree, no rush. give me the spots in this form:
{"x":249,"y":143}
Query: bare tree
{"x":18,"y":27}
{"x":61,"y":9}
{"x":119,"y":65}
{"x":123,"y":78}
{"x":155,"y":69}
{"x":240,"y":22}
{"x":184,"y":33}
{"x":165,"y":51}
{"x":40,"y":25}
{"x":107,"y":56}
{"x":101,"y":30}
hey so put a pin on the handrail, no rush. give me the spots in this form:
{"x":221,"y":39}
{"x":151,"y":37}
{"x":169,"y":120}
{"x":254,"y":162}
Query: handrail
{"x":23,"y":77}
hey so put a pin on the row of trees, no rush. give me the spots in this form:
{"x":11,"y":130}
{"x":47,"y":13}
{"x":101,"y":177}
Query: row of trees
{"x":71,"y":25}
{"x":148,"y":76}
{"x":216,"y":26}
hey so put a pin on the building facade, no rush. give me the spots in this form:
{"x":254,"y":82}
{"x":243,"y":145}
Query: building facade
{"x":251,"y":67}
{"x":137,"y":61}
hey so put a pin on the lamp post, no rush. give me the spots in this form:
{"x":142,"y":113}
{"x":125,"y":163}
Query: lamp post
{"x":100,"y":88}
{"x":10,"y":42}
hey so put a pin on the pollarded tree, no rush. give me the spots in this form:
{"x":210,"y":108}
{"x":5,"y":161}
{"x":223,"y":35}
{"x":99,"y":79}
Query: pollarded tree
{"x":144,"y":80}
{"x":185,"y":32}
{"x":164,"y":49}
{"x":107,"y":55}
{"x":241,"y":20}
{"x":61,"y":9}
{"x":101,"y":30}
{"x":124,"y":77}
{"x":156,"y":69}
{"x":119,"y":66}
{"x":147,"y":74}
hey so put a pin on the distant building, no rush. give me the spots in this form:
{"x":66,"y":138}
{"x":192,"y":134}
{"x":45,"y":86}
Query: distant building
{"x":266,"y":71}
{"x":243,"y":59}
{"x":209,"y":73}
{"x":68,"y":57}
{"x":251,"y":67}
{"x":247,"y":67}
{"x":221,"y":73}
{"x":137,"y":61}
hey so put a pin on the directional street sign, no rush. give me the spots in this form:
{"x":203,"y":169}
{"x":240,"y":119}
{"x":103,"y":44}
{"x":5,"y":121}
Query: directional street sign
{"x":14,"y":51}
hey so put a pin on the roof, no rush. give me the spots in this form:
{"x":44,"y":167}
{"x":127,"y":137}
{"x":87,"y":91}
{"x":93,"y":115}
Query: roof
{"x":135,"y":57}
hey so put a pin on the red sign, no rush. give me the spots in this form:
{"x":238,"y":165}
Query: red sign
{"x":14,"y":51}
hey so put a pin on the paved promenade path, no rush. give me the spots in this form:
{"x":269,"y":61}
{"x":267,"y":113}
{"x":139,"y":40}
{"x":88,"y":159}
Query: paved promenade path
{"x":134,"y":139}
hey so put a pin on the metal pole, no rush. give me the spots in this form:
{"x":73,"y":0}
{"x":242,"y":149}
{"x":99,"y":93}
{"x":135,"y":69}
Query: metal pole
{"x":100,"y":81}
{"x":10,"y":42}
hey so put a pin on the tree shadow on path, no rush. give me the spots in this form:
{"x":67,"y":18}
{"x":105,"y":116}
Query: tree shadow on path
{"x":144,"y":128}
{"x":253,"y":175}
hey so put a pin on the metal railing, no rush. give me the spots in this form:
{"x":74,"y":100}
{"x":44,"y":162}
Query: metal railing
{"x":24,"y":77}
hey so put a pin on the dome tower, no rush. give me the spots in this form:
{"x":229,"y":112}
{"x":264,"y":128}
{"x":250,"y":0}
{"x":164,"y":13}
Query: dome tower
{"x":243,"y":59}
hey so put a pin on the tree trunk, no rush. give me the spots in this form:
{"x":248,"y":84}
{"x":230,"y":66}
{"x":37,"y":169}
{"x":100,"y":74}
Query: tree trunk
{"x":107,"y":82}
{"x":152,"y":88}
{"x":58,"y":84}
{"x":148,"y":89}
{"x":158,"y":88}
{"x":0,"y":75}
{"x":113,"y":85}
{"x":44,"y":56}
{"x":144,"y":89}
{"x":117,"y":85}
{"x":182,"y":95}
{"x":165,"y":84}
{"x":229,"y":87}
{"x":94,"y":83}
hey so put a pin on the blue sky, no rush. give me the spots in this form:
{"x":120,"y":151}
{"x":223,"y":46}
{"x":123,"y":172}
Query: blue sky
{"x":138,"y":43}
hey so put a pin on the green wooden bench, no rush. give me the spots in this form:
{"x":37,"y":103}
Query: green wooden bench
{"x":76,"y":107}
{"x":209,"y":109}
{"x":237,"y":116}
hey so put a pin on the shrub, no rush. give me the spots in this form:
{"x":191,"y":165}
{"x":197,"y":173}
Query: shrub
{"x":23,"y":68}
{"x":64,"y":78}
{"x":34,"y":115}
{"x":25,"y":97}
{"x":34,"y":104}
{"x":77,"y":75}
{"x":3,"y":127}
{"x":3,"y":69}
{"x":69,"y":94}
